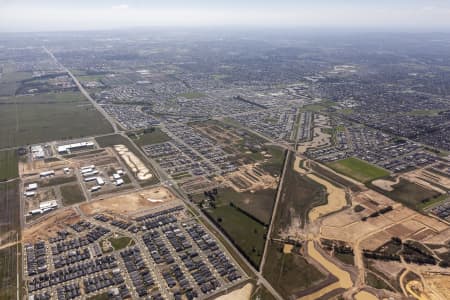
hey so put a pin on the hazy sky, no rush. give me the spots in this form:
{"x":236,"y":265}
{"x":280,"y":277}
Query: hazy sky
{"x":45,"y":15}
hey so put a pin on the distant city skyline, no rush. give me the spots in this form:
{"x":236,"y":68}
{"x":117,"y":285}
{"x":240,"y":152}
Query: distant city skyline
{"x":53,"y":15}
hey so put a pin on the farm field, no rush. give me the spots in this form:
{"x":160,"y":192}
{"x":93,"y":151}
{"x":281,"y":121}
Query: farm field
{"x":289,"y":273}
{"x":8,"y":272}
{"x":9,"y":211}
{"x":32,"y":119}
{"x":358,"y":169}
{"x":8,"y":165}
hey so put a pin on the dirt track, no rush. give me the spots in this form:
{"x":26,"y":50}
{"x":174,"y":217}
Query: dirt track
{"x":363,"y":295}
{"x":344,"y":279}
{"x":336,"y":196}
{"x":336,"y":199}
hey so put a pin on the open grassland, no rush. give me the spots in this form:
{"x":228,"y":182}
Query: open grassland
{"x":9,"y":211}
{"x":410,"y":194}
{"x":275,"y":164}
{"x":192,"y":95}
{"x":298,"y":196}
{"x":15,"y":76}
{"x":117,"y":139}
{"x":258,"y":204}
{"x":8,"y":165}
{"x":149,"y":136}
{"x":9,"y":272}
{"x":121,"y":242}
{"x":289,"y":273}
{"x":246,"y":233}
{"x":358,"y":169}
{"x":45,"y":117}
{"x":72,"y":194}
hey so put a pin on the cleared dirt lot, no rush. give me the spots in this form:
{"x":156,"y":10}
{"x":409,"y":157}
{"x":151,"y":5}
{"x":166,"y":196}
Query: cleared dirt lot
{"x":50,"y":225}
{"x":130,"y":203}
{"x":243,"y":293}
{"x":402,"y":222}
{"x":248,"y":178}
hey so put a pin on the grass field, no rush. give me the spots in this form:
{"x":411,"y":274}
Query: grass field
{"x":120,"y":242}
{"x":333,"y":177}
{"x":289,"y":273}
{"x":298,"y":196}
{"x":9,"y":211}
{"x":258,"y":204}
{"x":376,"y":282}
{"x":45,"y":117}
{"x":57,"y":181}
{"x":410,"y":194}
{"x":275,"y":164}
{"x":8,"y":165}
{"x":358,"y":169}
{"x":72,"y":194}
{"x":149,"y":136}
{"x":346,"y":258}
{"x":192,"y":95}
{"x":246,"y":232}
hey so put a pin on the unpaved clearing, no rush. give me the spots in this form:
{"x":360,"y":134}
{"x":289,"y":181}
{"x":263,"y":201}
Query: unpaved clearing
{"x":424,"y":178}
{"x":243,"y":293}
{"x":133,"y":162}
{"x":248,"y":178}
{"x":50,"y":225}
{"x":438,"y":285}
{"x":415,"y":288}
{"x":344,"y":279}
{"x":386,"y":184}
{"x":363,"y":295}
{"x":336,"y":199}
{"x":130,"y":203}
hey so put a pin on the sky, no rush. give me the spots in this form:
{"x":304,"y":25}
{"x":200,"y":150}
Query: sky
{"x":61,"y":15}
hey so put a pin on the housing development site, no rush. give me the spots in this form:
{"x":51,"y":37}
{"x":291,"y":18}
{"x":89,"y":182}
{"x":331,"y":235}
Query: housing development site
{"x":150,"y":246}
{"x":200,"y":179}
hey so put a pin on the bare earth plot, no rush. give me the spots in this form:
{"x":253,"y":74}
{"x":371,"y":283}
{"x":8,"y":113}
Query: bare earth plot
{"x":130,"y":203}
